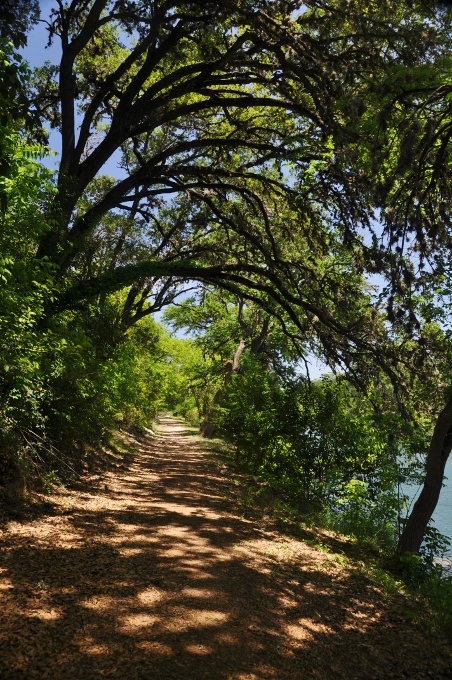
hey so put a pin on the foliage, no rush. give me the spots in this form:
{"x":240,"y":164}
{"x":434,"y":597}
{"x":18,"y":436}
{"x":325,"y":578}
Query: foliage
{"x":324,"y":443}
{"x":64,"y":384}
{"x":325,"y":446}
{"x":234,"y":140}
{"x":371,"y":518}
{"x":248,"y":414}
{"x":187,"y":384}
{"x":16,"y":19}
{"x":266,"y":159}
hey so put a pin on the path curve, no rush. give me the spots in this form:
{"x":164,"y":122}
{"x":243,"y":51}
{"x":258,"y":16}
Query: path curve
{"x":151,"y":575}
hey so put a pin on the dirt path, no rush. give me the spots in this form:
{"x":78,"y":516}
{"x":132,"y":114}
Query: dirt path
{"x":151,"y":576}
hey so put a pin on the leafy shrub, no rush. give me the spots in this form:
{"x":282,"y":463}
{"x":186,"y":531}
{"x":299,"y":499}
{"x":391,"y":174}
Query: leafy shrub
{"x":367,"y":517}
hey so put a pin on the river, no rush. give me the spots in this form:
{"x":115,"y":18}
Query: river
{"x":443,"y":514}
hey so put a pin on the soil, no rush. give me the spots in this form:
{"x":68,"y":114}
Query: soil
{"x":152,"y":572}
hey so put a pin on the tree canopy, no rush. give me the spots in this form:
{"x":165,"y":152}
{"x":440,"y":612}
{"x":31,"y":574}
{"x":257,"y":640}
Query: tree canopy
{"x":232,"y":126}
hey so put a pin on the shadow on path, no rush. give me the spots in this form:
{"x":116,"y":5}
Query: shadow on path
{"x":152,"y":578}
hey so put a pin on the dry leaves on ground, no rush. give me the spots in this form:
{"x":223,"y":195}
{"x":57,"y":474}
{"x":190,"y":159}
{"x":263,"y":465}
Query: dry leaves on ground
{"x":151,"y":574}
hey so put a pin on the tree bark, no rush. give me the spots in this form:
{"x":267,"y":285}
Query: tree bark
{"x":438,"y":453}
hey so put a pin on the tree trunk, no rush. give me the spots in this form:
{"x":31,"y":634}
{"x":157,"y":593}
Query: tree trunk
{"x":438,"y":453}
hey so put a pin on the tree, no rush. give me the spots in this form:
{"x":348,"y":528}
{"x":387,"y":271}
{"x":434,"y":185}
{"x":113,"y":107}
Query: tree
{"x":241,"y":130}
{"x":404,"y":149}
{"x":224,"y":328}
{"x":211,"y":108}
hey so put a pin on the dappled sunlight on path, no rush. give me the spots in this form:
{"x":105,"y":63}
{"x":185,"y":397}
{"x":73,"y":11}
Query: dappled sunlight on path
{"x":152,"y":576}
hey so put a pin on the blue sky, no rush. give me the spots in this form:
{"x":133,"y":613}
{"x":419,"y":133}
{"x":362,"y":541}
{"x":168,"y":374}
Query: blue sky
{"x":37,"y":53}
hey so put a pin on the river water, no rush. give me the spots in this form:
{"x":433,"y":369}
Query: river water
{"x":443,"y":514}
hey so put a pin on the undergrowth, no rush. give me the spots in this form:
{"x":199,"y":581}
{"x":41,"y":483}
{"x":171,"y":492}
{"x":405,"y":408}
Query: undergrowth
{"x":367,"y":547}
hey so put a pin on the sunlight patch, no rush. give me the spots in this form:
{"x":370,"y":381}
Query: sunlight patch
{"x":89,"y":646}
{"x":45,"y":614}
{"x":139,"y":620}
{"x":198,"y":649}
{"x":300,"y":631}
{"x":211,"y":618}
{"x":149,"y":596}
{"x":173,"y":552}
{"x":130,"y":552}
{"x":128,"y":527}
{"x":197,"y":592}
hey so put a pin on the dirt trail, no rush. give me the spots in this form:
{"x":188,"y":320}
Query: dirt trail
{"x":151,"y":576}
